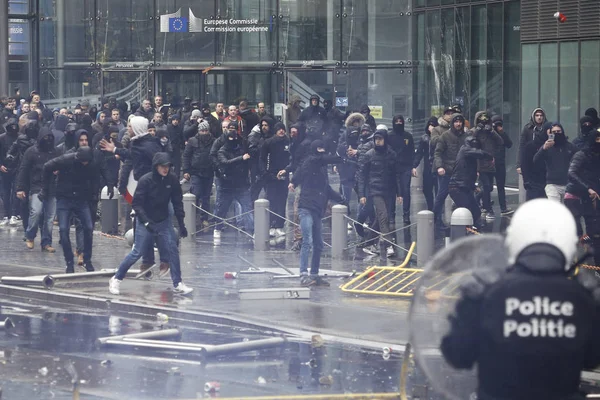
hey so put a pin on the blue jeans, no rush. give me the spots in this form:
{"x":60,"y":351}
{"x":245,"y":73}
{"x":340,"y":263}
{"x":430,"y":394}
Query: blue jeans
{"x":242,"y":195}
{"x":442,"y":193}
{"x":202,"y":188}
{"x":164,"y":234}
{"x":312,"y":239}
{"x":41,"y":213}
{"x":81,"y":210}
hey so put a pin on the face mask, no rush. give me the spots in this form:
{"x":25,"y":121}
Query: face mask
{"x":586,"y":129}
{"x":164,"y":141}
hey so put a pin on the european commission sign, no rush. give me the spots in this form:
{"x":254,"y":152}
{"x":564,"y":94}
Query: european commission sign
{"x":176,"y":23}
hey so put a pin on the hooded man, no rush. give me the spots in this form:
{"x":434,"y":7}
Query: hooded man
{"x":233,"y":164}
{"x":444,"y":158}
{"x":436,"y":133}
{"x":593,"y":114}
{"x":29,"y":184}
{"x":175,"y":135}
{"x":422,"y":153}
{"x":155,"y":193}
{"x":500,"y":163}
{"x":462,"y":183}
{"x":198,"y":167}
{"x":530,"y":130}
{"x":586,"y":125}
{"x":7,"y":176}
{"x":215,"y":123}
{"x":369,"y":120}
{"x":261,"y":132}
{"x":534,"y":173}
{"x":348,"y":151}
{"x":294,"y":110}
{"x":314,"y":114}
{"x":315,"y":192}
{"x":333,"y":126}
{"x":274,"y":156}
{"x":60,"y":126}
{"x":76,"y":183}
{"x":250,"y":118}
{"x":402,"y":142}
{"x":556,"y":153}
{"x":490,"y":142}
{"x":378,"y":179}
{"x":583,"y":191}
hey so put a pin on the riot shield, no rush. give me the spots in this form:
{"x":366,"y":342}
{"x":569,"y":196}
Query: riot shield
{"x":434,"y":300}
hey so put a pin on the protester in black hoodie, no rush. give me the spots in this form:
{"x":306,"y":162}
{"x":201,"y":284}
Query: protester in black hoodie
{"x":155,"y":193}
{"x":76,"y":183}
{"x":593,"y":114}
{"x":500,"y":163}
{"x":256,"y":139}
{"x":556,"y":153}
{"x":586,"y":125}
{"x":315,"y":193}
{"x":7,"y":176}
{"x":583,"y":191}
{"x":402,"y":142}
{"x":422,"y":153}
{"x":462,"y":183}
{"x":530,"y":130}
{"x":534,"y":173}
{"x":274,"y":156}
{"x":68,"y":141}
{"x":215,"y":123}
{"x":29,"y":184}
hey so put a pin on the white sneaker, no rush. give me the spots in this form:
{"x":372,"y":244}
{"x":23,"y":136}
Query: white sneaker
{"x":217,"y":234}
{"x":371,"y":250}
{"x":390,"y":251}
{"x":183,"y":289}
{"x":4,"y":221}
{"x":14,"y":221}
{"x":350,"y":227}
{"x":279,"y":232}
{"x":114,"y":286}
{"x":272,"y":232}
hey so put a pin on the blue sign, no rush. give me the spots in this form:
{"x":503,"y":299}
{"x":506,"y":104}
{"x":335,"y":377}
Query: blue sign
{"x":178,"y":24}
{"x":341,"y":102}
{"x":18,"y":38}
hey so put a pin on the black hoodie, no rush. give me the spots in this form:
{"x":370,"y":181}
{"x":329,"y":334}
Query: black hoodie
{"x":60,"y":126}
{"x":465,"y":168}
{"x":378,"y":173}
{"x":584,"y":171}
{"x":154,"y":192}
{"x":29,"y":179}
{"x":534,"y":173}
{"x":557,"y":159}
{"x":529,"y":132}
{"x":8,"y":138}
{"x":274,"y":156}
{"x":256,"y":140}
{"x":402,"y":142}
{"x":234,"y":169}
{"x":74,"y":181}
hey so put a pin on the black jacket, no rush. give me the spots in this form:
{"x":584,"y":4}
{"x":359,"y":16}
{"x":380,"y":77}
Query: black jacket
{"x":312,"y":178}
{"x":141,"y":153}
{"x":14,"y":156}
{"x":447,"y":149}
{"x":30,"y":177}
{"x":422,"y":153}
{"x":349,"y":166}
{"x":534,"y":173}
{"x":500,"y":155}
{"x":256,"y":140}
{"x":557,"y":159}
{"x":274,"y":156}
{"x":378,"y":174}
{"x":176,"y":137}
{"x":403,"y":144}
{"x":154,"y":192}
{"x":511,"y":362}
{"x":584,"y":173}
{"x":215,"y":124}
{"x":190,"y":129}
{"x":233,"y":168}
{"x":491,"y":142}
{"x":74,"y":180}
{"x":528,"y":134}
{"x":214,"y":153}
{"x":6,"y":141}
{"x":465,"y":168}
{"x":196,"y":156}
{"x":251,"y":119}
{"x":298,"y":150}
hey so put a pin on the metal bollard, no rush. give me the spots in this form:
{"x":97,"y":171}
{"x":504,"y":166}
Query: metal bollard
{"x":447,"y":209}
{"x":189,"y":207}
{"x":339,"y":230}
{"x":522,"y":192}
{"x":461,"y":218}
{"x":262,"y":222}
{"x":110,"y":212}
{"x":425,"y":237}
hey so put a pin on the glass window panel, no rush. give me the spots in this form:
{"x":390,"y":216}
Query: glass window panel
{"x":433,"y":57}
{"x":462,"y":56}
{"x":67,"y":33}
{"x":185,"y":48}
{"x":480,"y":60}
{"x":433,"y":3}
{"x":419,"y":3}
{"x":590,"y":77}
{"x":130,"y":86}
{"x":231,"y":87}
{"x":495,"y":23}
{"x":251,"y":42}
{"x":309,"y":31}
{"x":18,"y":6}
{"x":421,"y":110}
{"x":529,"y":81}
{"x":67,"y":87}
{"x":375,"y":30}
{"x":512,"y":85}
{"x":446,"y":65}
{"x":124,"y":31}
{"x":549,"y":79}
{"x":174,"y":86}
{"x":569,"y":113}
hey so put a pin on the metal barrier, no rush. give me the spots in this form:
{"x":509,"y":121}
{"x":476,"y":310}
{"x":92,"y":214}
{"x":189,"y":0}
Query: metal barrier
{"x":386,"y":281}
{"x":223,"y":221}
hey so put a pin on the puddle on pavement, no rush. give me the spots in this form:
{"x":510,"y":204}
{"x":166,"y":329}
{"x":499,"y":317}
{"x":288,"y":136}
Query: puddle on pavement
{"x":37,"y":352}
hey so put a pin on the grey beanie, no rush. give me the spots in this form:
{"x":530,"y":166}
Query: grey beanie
{"x":203,"y":126}
{"x":196,"y":113}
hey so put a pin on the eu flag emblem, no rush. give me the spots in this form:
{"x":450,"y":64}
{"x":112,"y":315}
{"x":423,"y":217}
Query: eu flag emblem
{"x":178,"y":24}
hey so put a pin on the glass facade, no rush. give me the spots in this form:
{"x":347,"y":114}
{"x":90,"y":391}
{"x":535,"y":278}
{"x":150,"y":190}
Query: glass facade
{"x":468,"y":54}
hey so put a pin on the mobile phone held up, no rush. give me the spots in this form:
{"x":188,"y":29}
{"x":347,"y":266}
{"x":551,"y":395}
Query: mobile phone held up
{"x":551,"y":136}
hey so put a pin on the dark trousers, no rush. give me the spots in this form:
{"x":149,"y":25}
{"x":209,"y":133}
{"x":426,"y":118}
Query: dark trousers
{"x":500,"y":176}
{"x":81,"y":210}
{"x":487,"y":185}
{"x":464,"y":197}
{"x":430,"y":183}
{"x":176,"y":160}
{"x":258,"y":184}
{"x":380,"y":208}
{"x":202,"y":188}
{"x":9,"y":197}
{"x":535,"y":193}
{"x":242,"y":195}
{"x":405,"y":179}
{"x":277,"y":194}
{"x":346,"y":189}
{"x":438,"y":206}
